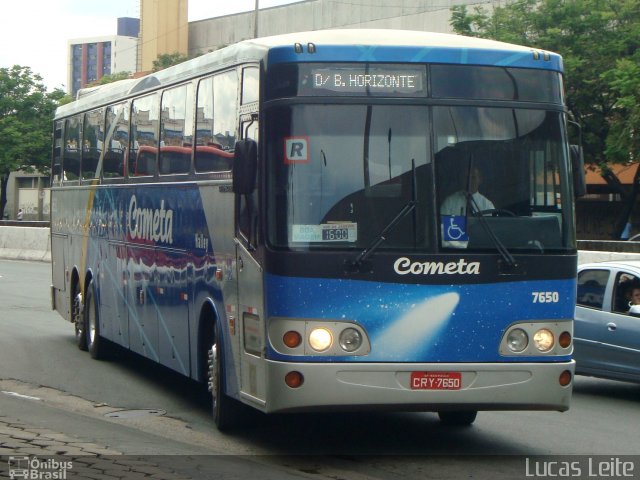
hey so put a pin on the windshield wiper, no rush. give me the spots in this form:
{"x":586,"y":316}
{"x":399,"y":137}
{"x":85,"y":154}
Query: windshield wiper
{"x":356,"y":264}
{"x":504,"y":252}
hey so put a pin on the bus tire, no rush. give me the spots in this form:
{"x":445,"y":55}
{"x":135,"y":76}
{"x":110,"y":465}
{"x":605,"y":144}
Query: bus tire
{"x":77,"y":317}
{"x":458,"y":418}
{"x":224,"y":407}
{"x":95,"y":343}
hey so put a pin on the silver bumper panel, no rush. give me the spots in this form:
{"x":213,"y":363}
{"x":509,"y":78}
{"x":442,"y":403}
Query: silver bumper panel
{"x":381,"y":386}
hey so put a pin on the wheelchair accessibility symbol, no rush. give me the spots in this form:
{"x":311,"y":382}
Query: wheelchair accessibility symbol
{"x":455,"y":228}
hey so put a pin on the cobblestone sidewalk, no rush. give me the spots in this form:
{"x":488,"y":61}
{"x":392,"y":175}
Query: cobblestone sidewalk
{"x":37,"y":453}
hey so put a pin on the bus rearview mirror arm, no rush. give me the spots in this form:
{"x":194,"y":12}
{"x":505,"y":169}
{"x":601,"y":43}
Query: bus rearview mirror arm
{"x":577,"y":164}
{"x":576,"y":153}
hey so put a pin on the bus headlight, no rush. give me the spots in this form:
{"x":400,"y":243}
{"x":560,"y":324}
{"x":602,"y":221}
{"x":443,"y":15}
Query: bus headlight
{"x":350,"y":339}
{"x":538,"y":338}
{"x":517,"y":340}
{"x":320,"y":339}
{"x":543,"y":340}
{"x":317,"y":337}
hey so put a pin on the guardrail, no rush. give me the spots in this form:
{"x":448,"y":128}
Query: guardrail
{"x":23,"y":223}
{"x":609,"y":246}
{"x":605,"y":250}
{"x":25,"y":240}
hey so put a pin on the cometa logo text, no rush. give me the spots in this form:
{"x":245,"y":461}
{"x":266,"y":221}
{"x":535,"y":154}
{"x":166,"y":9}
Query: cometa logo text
{"x":150,"y":224}
{"x":404,"y":266}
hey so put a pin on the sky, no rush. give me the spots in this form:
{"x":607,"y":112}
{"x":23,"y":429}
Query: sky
{"x":34,"y":33}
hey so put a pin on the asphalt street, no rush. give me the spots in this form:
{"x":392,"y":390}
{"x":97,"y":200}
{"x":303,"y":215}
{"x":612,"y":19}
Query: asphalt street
{"x":128,"y":418}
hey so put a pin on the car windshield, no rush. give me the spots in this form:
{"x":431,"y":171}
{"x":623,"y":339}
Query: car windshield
{"x":339,"y":175}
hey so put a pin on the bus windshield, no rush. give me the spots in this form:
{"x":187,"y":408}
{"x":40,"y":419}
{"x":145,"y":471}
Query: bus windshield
{"x":339,"y":174}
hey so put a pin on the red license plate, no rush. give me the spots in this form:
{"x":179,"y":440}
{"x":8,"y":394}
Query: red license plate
{"x":436,"y":380}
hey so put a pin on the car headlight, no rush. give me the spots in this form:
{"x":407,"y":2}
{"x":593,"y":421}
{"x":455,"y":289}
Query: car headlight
{"x":320,"y":339}
{"x":517,"y":340}
{"x":543,"y":340}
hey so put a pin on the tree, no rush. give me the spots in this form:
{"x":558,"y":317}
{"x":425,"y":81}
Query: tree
{"x":26,"y":111}
{"x":599,"y":41}
{"x":623,"y":142}
{"x":166,"y":60}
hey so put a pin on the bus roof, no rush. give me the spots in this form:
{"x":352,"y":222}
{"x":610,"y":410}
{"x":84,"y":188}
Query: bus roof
{"x":384,"y":37}
{"x":340,"y":45}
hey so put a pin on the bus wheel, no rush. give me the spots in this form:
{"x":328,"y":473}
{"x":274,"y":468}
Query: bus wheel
{"x":77,"y":315}
{"x":224,"y":409}
{"x":95,"y":344}
{"x":460,"y":418}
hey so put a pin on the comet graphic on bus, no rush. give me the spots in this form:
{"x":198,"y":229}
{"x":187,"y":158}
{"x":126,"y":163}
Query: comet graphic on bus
{"x":418,"y":326}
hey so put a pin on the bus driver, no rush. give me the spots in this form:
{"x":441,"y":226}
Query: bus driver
{"x":456,"y":203}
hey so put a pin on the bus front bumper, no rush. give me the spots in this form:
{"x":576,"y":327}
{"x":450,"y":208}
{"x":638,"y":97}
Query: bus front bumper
{"x":388,"y":386}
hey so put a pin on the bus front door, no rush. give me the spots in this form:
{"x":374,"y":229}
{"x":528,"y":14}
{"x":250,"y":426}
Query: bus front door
{"x":252,"y":328}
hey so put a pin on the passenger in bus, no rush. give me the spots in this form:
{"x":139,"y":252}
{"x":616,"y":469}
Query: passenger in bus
{"x":458,"y":202}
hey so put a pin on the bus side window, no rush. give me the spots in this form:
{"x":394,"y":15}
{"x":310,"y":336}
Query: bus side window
{"x":115,"y":144}
{"x":174,"y":160}
{"x":71,"y":157}
{"x":250,"y":85}
{"x":145,"y":120}
{"x":225,"y":109}
{"x":216,"y":122}
{"x":248,"y":203}
{"x":176,"y":130}
{"x":212,"y":159}
{"x":56,"y":166}
{"x":92,"y":140}
{"x":145,"y":163}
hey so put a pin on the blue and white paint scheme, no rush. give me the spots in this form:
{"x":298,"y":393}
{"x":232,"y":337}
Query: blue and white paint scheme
{"x":230,"y":286}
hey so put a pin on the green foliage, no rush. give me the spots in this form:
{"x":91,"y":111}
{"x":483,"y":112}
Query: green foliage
{"x":166,"y":60}
{"x":114,"y":77}
{"x":599,"y":42}
{"x":64,"y":99}
{"x":623,"y":142}
{"x":26,"y":111}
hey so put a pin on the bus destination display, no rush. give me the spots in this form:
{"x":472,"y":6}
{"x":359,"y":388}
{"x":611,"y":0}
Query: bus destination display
{"x":388,"y":80}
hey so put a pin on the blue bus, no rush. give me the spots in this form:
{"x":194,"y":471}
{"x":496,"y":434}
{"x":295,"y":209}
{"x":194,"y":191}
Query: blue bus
{"x":328,"y":220}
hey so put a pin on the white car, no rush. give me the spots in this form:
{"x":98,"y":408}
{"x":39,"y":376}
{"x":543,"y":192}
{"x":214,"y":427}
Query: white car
{"x":607,"y":327}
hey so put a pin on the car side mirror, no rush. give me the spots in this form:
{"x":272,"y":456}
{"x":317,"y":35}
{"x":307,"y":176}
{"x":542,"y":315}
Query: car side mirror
{"x":634,"y":310}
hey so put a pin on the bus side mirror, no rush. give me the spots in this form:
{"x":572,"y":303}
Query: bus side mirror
{"x":577,"y":164}
{"x":245,"y":166}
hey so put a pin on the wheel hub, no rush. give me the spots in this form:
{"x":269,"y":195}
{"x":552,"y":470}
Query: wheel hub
{"x":213,"y":371}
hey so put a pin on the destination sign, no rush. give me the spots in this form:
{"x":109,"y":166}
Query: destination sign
{"x":389,"y":80}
